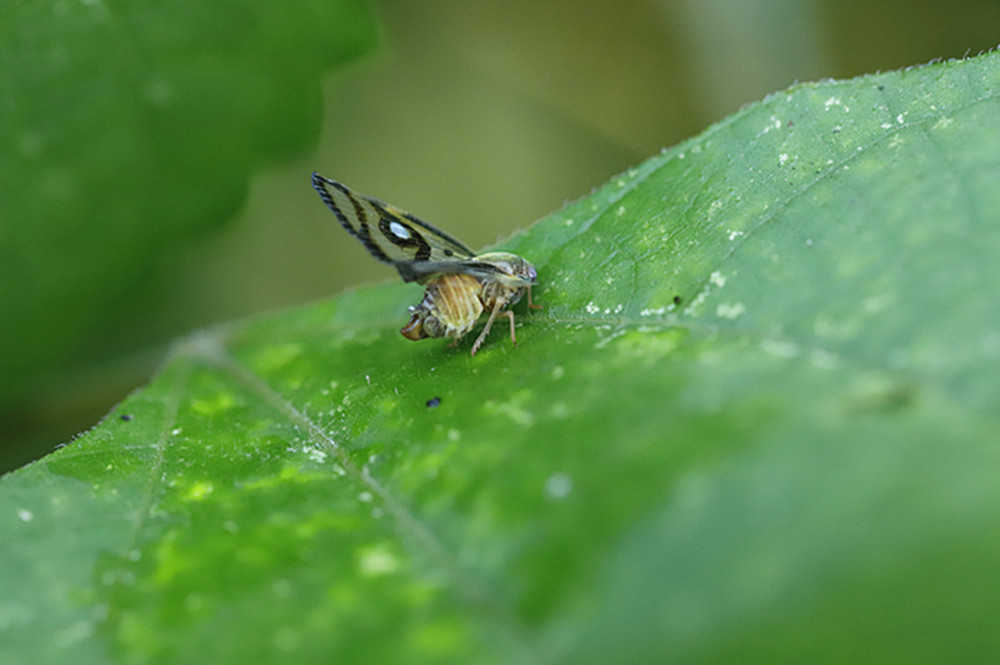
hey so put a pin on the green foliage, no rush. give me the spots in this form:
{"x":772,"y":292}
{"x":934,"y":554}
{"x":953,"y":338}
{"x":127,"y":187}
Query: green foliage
{"x":755,"y":422}
{"x":128,"y":127}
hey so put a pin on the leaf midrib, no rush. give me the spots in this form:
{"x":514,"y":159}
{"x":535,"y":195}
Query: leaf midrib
{"x":470,"y":589}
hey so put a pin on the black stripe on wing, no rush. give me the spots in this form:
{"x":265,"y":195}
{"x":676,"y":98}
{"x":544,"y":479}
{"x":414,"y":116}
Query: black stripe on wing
{"x":357,"y":214}
{"x":399,"y":237}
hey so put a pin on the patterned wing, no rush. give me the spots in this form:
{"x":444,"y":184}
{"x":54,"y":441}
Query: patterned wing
{"x":394,"y":236}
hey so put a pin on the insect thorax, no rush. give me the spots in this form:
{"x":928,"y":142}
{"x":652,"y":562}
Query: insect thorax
{"x":511,"y":267}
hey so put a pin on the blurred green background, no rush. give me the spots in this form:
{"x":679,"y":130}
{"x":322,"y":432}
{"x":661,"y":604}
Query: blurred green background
{"x":477,"y":116}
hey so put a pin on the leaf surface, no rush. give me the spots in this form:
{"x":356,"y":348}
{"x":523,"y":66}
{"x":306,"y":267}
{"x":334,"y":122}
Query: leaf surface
{"x":756,"y":421}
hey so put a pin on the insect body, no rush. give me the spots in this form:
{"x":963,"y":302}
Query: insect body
{"x":460,"y":284}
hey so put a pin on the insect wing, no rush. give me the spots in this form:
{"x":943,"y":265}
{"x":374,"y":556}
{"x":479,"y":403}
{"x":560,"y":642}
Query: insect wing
{"x":421,"y":270}
{"x":483,"y":270}
{"x":394,"y":236}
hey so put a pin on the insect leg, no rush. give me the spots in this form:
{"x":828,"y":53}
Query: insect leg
{"x":532,"y":305}
{"x":489,"y":322}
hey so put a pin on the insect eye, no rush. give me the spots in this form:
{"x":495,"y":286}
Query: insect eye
{"x":448,"y":252}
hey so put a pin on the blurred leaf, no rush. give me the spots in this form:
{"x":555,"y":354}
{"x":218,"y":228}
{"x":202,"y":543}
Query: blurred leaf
{"x":756,"y":421}
{"x":127,"y":127}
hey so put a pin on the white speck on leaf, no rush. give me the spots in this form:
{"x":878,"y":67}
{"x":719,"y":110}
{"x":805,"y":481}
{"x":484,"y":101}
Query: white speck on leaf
{"x":823,"y":359}
{"x":730,"y":310}
{"x":25,"y":515}
{"x":377,"y":561}
{"x":558,"y":486}
{"x":512,"y":410}
{"x":315,"y":454}
{"x":779,"y":348}
{"x":559,"y":410}
{"x":772,"y":124}
{"x":942,"y":122}
{"x":604,"y":341}
{"x":875,"y":304}
{"x":835,"y":101}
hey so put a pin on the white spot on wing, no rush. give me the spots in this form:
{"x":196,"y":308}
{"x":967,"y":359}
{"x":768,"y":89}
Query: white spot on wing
{"x":399,"y":230}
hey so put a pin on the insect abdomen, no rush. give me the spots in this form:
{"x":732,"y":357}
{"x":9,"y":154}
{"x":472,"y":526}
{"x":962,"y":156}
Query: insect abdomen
{"x":450,"y":308}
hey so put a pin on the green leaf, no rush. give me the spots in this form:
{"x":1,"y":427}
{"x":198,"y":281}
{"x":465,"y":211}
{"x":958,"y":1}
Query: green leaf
{"x":756,"y":421}
{"x":127,"y":128}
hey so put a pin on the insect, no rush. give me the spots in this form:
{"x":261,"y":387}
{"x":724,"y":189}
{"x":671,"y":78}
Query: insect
{"x":461,"y":285}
